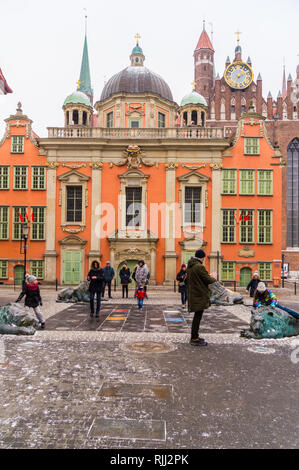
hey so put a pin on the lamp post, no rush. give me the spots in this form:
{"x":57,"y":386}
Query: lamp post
{"x":25,"y":233}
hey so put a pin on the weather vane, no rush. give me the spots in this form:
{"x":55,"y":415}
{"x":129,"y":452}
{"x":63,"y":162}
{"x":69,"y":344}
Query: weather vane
{"x":238,"y":35}
{"x":137,"y":37}
{"x":85,"y":15}
{"x":193,"y":85}
{"x":79,"y":84}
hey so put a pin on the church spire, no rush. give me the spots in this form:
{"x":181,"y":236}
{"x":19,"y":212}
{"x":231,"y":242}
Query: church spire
{"x":84,"y":83}
{"x":284,"y":81}
{"x":204,"y":41}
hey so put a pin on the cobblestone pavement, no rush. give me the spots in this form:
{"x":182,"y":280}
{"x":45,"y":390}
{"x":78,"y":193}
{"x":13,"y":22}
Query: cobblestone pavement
{"x":84,"y":394}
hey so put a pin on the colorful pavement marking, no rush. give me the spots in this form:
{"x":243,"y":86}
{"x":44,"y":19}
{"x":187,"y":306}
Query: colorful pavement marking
{"x":116,"y":318}
{"x":175,"y":319}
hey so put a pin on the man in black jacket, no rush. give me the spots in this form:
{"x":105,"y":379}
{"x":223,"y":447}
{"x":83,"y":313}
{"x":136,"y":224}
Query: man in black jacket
{"x":96,"y":278}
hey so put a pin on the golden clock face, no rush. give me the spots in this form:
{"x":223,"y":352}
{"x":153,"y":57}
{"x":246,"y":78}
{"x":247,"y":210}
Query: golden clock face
{"x":238,"y":75}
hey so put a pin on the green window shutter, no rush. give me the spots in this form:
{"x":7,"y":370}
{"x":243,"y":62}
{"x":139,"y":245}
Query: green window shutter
{"x":4,"y":177}
{"x":37,"y":268}
{"x":4,"y":222}
{"x":228,"y":226}
{"x":264,"y":226}
{"x":17,"y":144}
{"x":247,"y":182}
{"x":251,"y":146}
{"x":38,"y":223}
{"x":265,"y":271}
{"x":17,"y":223}
{"x":20,"y":177}
{"x":265,"y":182}
{"x":246,"y":227}
{"x":229,"y":181}
{"x":3,"y":269}
{"x":38,"y":180}
{"x":227,"y":271}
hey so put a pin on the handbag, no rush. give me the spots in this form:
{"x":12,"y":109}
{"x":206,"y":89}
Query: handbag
{"x":182,"y":284}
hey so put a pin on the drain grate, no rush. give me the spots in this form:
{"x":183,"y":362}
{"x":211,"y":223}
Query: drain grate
{"x":148,"y":347}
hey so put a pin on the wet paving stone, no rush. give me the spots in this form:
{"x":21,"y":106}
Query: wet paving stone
{"x":124,"y":390}
{"x":151,"y":430}
{"x":123,"y":317}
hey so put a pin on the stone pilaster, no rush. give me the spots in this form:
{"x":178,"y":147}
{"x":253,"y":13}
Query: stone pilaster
{"x":96,"y":191}
{"x":50,"y":253}
{"x":170,"y":255}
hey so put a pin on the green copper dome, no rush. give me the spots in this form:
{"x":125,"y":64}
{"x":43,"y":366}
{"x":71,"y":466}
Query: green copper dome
{"x":78,"y":97}
{"x":137,"y":50}
{"x":194,"y":98}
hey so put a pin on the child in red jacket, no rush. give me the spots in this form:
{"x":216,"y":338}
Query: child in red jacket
{"x":141,"y":295}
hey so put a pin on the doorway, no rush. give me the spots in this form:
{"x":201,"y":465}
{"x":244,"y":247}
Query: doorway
{"x":72,"y":267}
{"x":131,"y":263}
{"x":245,"y":276}
{"x":18,"y":274}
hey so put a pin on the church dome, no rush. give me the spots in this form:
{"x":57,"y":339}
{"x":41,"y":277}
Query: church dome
{"x":78,"y":97}
{"x":136,"y":79}
{"x":194,"y":98}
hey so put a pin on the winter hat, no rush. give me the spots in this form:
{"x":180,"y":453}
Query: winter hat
{"x":31,"y":279}
{"x":107,"y":262}
{"x":200,"y":254}
{"x":261,"y":287}
{"x":255,"y":273}
{"x":183,"y":265}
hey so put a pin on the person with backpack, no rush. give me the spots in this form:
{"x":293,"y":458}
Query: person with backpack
{"x":32,"y":297}
{"x":182,"y":280}
{"x":108,"y":278}
{"x":125,"y":279}
{"x":96,"y":278}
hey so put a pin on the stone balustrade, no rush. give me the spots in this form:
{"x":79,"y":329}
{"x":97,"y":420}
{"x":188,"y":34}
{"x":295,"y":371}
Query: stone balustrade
{"x":140,"y":133}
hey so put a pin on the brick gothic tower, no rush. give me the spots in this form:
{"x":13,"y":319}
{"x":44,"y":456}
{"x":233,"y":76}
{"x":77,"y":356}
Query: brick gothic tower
{"x":204,"y":66}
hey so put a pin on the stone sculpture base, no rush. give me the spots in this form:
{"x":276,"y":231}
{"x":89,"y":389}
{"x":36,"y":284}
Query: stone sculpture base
{"x":15,"y":319}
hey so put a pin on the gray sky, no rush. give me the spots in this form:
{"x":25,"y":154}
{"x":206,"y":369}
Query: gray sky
{"x":42,"y":44}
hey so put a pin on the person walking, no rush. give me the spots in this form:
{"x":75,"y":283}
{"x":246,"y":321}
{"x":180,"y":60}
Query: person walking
{"x":183,"y":284}
{"x":96,"y":278}
{"x":108,"y":278}
{"x":32,"y":297}
{"x":125,"y":279}
{"x":141,"y":273}
{"x":141,"y":295}
{"x":264,"y":296}
{"x":134,"y":278}
{"x":198,"y":294}
{"x":253,"y":284}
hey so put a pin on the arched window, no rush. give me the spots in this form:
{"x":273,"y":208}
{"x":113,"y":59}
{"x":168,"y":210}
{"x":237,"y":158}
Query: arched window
{"x":194,"y":117}
{"x":293,"y":194}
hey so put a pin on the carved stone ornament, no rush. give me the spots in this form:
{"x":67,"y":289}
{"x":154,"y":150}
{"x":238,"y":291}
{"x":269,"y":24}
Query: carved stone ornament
{"x":74,"y":166}
{"x":96,"y":165}
{"x":133,"y":158}
{"x":216,"y":166}
{"x":171,"y":166}
{"x":52,"y":165}
{"x":246,"y":252}
{"x":194,"y":167}
{"x":72,"y":230}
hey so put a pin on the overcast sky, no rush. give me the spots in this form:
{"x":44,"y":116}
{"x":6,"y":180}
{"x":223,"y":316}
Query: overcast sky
{"x":42,"y":42}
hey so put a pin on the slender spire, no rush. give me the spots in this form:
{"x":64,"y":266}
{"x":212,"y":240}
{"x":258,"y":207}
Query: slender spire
{"x":204,"y":41}
{"x":284,"y":81}
{"x":85,"y":82}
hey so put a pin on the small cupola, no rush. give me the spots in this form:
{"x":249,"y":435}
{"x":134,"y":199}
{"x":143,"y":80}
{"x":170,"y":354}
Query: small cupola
{"x":193,"y":109}
{"x":137,"y":57}
{"x":77,"y":109}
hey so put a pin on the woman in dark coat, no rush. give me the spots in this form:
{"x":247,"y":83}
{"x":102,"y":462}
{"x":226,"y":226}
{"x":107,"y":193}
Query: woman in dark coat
{"x":183,"y":287}
{"x":125,"y":279}
{"x":96,"y":278}
{"x":253,"y":284}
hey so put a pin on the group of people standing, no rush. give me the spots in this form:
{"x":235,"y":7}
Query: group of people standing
{"x":99,"y":278}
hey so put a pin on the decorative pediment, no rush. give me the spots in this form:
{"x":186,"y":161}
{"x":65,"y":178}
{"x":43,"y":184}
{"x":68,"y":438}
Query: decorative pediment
{"x":133,"y":174}
{"x":73,"y":240}
{"x":73,"y":176}
{"x":194,"y":177}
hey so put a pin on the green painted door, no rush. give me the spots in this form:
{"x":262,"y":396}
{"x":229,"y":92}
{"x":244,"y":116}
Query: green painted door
{"x":131,"y":263}
{"x":187,"y":255}
{"x":72,"y":267}
{"x":245,"y":276}
{"x":19,"y":275}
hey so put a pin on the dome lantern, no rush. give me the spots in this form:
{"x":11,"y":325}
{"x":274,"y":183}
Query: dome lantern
{"x":77,"y":109}
{"x":193,"y":109}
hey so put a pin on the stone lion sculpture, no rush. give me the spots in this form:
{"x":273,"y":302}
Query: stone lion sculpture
{"x":222,"y":296}
{"x":17,"y":320}
{"x":271,"y":322}
{"x":77,"y":294}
